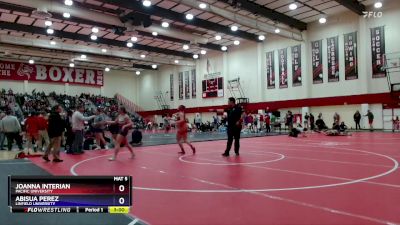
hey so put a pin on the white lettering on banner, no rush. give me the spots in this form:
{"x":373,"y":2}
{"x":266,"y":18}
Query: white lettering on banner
{"x":89,"y":77}
{"x":7,"y":66}
{"x":41,"y":72}
{"x":55,"y":73}
{"x":79,"y":76}
{"x":5,"y":73}
{"x":99,"y":78}
{"x":68,"y":75}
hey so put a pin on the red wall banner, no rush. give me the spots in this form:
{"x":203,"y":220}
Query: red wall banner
{"x":48,"y":73}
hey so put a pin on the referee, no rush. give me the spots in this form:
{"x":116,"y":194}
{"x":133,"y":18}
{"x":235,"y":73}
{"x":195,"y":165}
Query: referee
{"x":234,"y":126}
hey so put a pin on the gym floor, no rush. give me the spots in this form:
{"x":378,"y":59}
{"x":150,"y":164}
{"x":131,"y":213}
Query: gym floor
{"x":276,"y":180}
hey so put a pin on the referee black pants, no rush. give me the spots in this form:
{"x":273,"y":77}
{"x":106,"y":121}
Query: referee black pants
{"x":233,"y":133}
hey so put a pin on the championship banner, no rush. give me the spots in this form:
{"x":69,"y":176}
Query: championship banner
{"x":193,"y":83}
{"x":187,"y":85}
{"x":180,"y":80}
{"x":296,"y":65}
{"x":316,"y":52}
{"x":378,"y":51}
{"x":48,"y":73}
{"x":270,"y":70}
{"x":350,"y":56}
{"x":283,"y":75}
{"x":333,"y":59}
{"x":171,"y":86}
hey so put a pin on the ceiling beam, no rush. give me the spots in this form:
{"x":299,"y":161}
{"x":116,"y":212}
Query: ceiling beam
{"x":268,"y":13}
{"x":73,"y":50}
{"x":179,"y":17}
{"x":141,"y":66}
{"x":353,"y":5}
{"x":86,"y":38}
{"x":78,"y":20}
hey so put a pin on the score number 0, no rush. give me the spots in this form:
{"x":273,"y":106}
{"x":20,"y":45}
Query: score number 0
{"x":121,"y":200}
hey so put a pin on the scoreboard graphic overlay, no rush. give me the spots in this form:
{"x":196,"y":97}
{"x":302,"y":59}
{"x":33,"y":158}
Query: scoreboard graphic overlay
{"x":69,"y":194}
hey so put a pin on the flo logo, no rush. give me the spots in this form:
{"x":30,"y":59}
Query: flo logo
{"x":371,"y":14}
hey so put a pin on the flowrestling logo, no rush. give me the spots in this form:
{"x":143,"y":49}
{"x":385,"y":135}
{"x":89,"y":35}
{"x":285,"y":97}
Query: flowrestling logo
{"x":372,"y":14}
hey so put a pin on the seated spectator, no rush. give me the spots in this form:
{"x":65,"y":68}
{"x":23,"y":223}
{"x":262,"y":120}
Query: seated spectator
{"x":342,"y":127}
{"x":320,"y":124}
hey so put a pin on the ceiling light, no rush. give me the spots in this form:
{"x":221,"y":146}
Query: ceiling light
{"x":218,"y":37}
{"x":165,"y":24}
{"x":31,"y":61}
{"x":66,"y":15}
{"x":68,"y":2}
{"x":277,"y":30}
{"x":378,"y":5}
{"x":129,"y":44}
{"x":52,"y":42}
{"x":50,"y":31}
{"x":83,"y":56}
{"x":176,"y":61}
{"x":48,"y":23}
{"x":93,"y":37}
{"x":142,"y":56}
{"x":203,"y":5}
{"x":154,"y":33}
{"x":189,"y":16}
{"x":134,"y":39}
{"x":154,"y":66}
{"x":71,"y":65}
{"x":95,"y":30}
{"x":195,"y":56}
{"x":107,"y":69}
{"x":185,"y":47}
{"x":146,"y":3}
{"x":138,"y":73}
{"x":234,"y":28}
{"x":236,"y":42}
{"x":203,"y":52}
{"x":322,"y":20}
{"x":224,"y":48}
{"x":293,"y":6}
{"x":261,"y":37}
{"x":104,"y":50}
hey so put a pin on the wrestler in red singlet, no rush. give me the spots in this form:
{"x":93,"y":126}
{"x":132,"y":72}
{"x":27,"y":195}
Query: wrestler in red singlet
{"x":182,"y":130}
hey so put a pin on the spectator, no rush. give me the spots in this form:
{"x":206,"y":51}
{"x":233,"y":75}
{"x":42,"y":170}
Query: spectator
{"x":306,"y":117}
{"x":32,"y":130}
{"x":268,"y":123}
{"x":197,"y":121}
{"x":12,"y":130}
{"x":336,"y":118}
{"x":55,"y":131}
{"x":69,"y":133}
{"x":357,"y":119}
{"x":370,"y":116}
{"x":289,"y":120}
{"x":78,"y":127}
{"x":312,"y":122}
{"x":2,"y":135}
{"x":342,"y":127}
{"x":320,"y":124}
{"x":99,"y":125}
{"x":396,"y":124}
{"x":43,"y":134}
